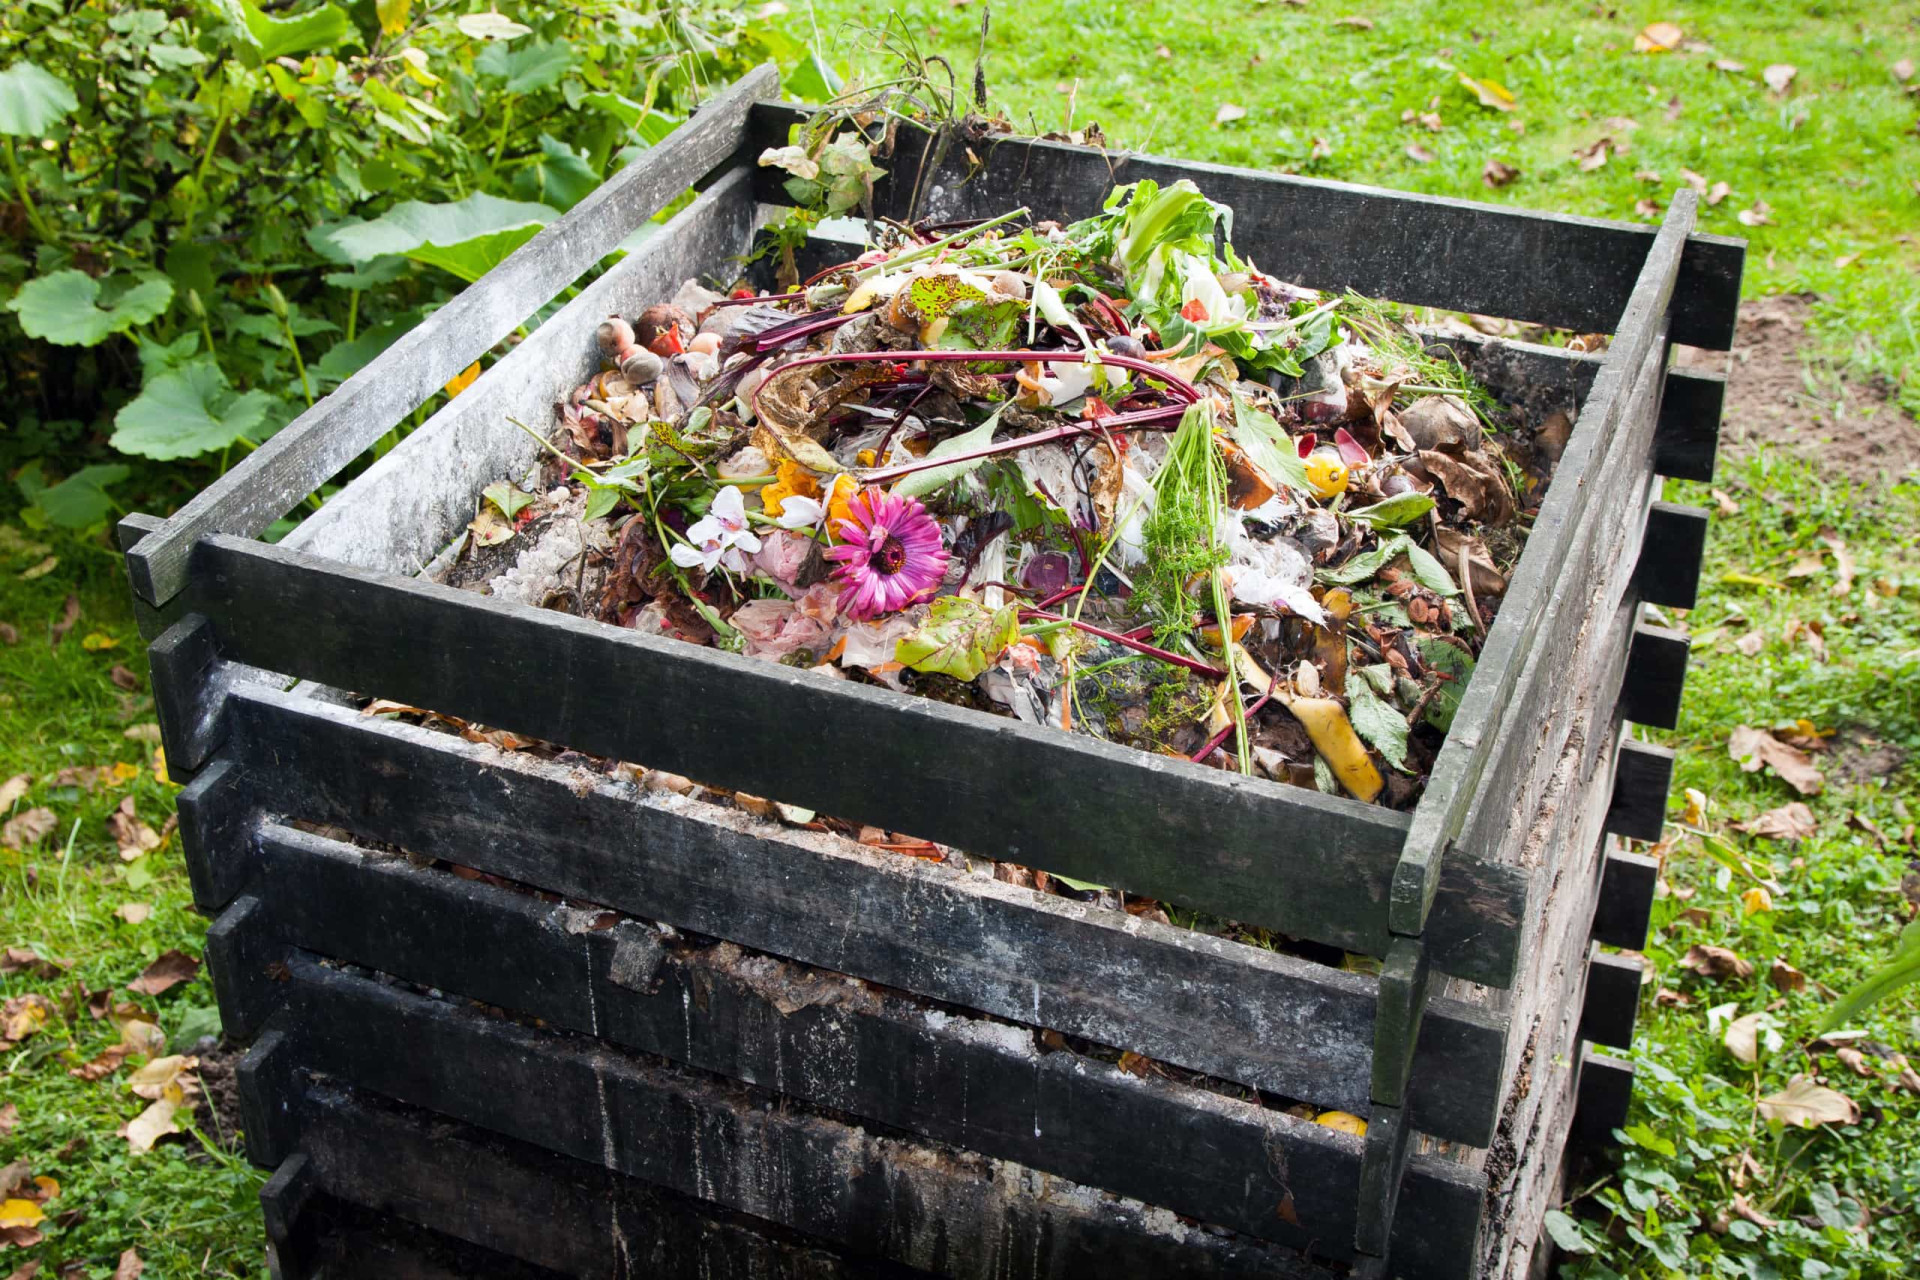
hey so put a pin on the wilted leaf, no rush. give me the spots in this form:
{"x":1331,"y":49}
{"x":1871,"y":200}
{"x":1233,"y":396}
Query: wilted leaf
{"x":20,"y":1213}
{"x":135,"y":838}
{"x":28,"y":829}
{"x":168,"y":971}
{"x":1594,"y":155}
{"x":27,"y":960}
{"x":1779,"y":76}
{"x":13,"y":788}
{"x":961,"y":638}
{"x":1757,"y":900}
{"x":64,"y":307}
{"x":1746,"y":1036}
{"x":134,"y":912}
{"x":1753,"y":748}
{"x":21,"y":1016}
{"x":1491,"y":93}
{"x":1659,"y":37}
{"x":9,"y":1119}
{"x":1785,"y":977}
{"x":1807,"y":1104}
{"x":490,"y":528}
{"x":168,"y":1077}
{"x":151,"y":1125}
{"x":1419,"y":154}
{"x":1742,"y":1209}
{"x":190,"y":411}
{"x":1382,"y":726}
{"x":33,"y":100}
{"x":1716,"y":963}
{"x":1359,"y":23}
{"x":1729,"y":66}
{"x":1717,"y":192}
{"x":1757,"y":216}
{"x":1498,"y":174}
{"x":1791,"y":821}
{"x":1228,"y":112}
{"x":1902,"y":70}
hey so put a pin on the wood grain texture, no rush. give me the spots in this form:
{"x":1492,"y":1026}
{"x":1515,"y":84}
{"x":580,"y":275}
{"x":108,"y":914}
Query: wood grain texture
{"x":436,"y":474}
{"x":1606,"y":1091}
{"x":919,"y":1204}
{"x":1669,"y":570}
{"x":1656,"y":676}
{"x":1642,"y":778}
{"x":1236,"y":1012}
{"x":1626,"y":900}
{"x":1637,"y":352}
{"x":1689,"y":434}
{"x":302,"y":456}
{"x":1291,"y":859}
{"x":1612,"y":1000}
{"x":838,"y":1044}
{"x":1460,"y":255}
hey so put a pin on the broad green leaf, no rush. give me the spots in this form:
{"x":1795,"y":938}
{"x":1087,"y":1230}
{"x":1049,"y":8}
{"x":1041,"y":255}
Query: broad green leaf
{"x":1902,"y":968}
{"x":1452,"y":661}
{"x":527,"y":69}
{"x":505,"y":496}
{"x":33,"y":100}
{"x":557,"y":176}
{"x":1383,"y":727}
{"x":81,"y":500}
{"x":652,"y":124}
{"x":344,"y":359}
{"x":466,"y":237}
{"x":920,"y":483}
{"x":284,"y":37}
{"x":1401,"y":509}
{"x":814,"y":80}
{"x":188,"y":412}
{"x":379,"y":271}
{"x":491,"y":26}
{"x":1363,"y":566}
{"x":1432,"y":574}
{"x":157,"y":358}
{"x":1268,"y":444}
{"x":1567,"y":1232}
{"x":961,"y":639}
{"x":1078,"y":886}
{"x":65,"y":307}
{"x":175,"y":57}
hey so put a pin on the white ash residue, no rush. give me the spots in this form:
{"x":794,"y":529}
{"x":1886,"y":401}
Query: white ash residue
{"x":552,"y":561}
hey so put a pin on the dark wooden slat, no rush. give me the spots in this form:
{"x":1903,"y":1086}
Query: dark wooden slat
{"x":436,"y":474}
{"x":1642,"y":777}
{"x":265,"y":1079}
{"x":982,"y":1086}
{"x":287,"y":1194}
{"x":1638,"y":351}
{"x":1237,"y":1012}
{"x":182,"y":661}
{"x":1669,"y":570}
{"x":966,"y":1215}
{"x":1626,"y":900}
{"x":1656,"y":677}
{"x":1613,"y":999}
{"x":1461,"y":255}
{"x":1689,"y":435}
{"x":244,"y":955}
{"x":1381,"y":1181}
{"x":334,"y":1238}
{"x":1404,"y":980}
{"x":214,"y":817}
{"x":299,"y":458}
{"x":1290,"y":859}
{"x":1606,"y":1092}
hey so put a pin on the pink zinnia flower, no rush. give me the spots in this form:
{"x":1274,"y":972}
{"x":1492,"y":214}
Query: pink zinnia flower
{"x":890,"y":555}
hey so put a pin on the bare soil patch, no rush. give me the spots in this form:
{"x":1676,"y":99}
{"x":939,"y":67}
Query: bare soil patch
{"x":1779,"y":393}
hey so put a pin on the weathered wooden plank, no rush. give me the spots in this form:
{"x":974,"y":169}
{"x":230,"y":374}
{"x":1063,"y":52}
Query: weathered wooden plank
{"x":1612,"y":1000}
{"x":1460,"y":255}
{"x":1291,"y":859}
{"x":1656,"y":676}
{"x":1605,"y":1093}
{"x":1626,"y":900}
{"x":922,"y":1205}
{"x":214,"y":814}
{"x":334,"y":1238}
{"x":296,"y":460}
{"x":834,"y":1043}
{"x":265,"y":1078}
{"x":1642,"y":776}
{"x":1463,"y":760}
{"x":1669,"y":570}
{"x":1689,"y":436}
{"x":435,"y":475}
{"x":1240,"y":1013}
{"x":1381,"y":1183}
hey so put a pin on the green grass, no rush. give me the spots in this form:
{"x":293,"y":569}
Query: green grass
{"x":1834,"y":162}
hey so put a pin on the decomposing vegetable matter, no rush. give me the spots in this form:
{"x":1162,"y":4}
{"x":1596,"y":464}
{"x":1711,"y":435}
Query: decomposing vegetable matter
{"x":1107,"y":478}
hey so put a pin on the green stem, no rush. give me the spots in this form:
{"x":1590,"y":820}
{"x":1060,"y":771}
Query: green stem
{"x":206,"y":333}
{"x":200,"y":177}
{"x":306,"y":387}
{"x":928,"y":250}
{"x":34,"y":219}
{"x":500,"y":141}
{"x":353,"y":312}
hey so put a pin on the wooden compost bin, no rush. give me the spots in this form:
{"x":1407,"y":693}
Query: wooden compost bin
{"x":854,"y":1083}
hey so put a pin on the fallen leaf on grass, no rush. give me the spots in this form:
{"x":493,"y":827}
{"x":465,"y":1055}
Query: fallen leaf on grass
{"x":1756,"y":900}
{"x":1594,"y":155}
{"x":28,"y":829}
{"x":168,"y":971}
{"x":1855,"y":1060}
{"x":143,"y":733}
{"x":1419,"y":154}
{"x":1842,"y":564}
{"x":1729,"y":66}
{"x":1717,"y":192}
{"x":1228,"y":112}
{"x":130,"y":1265}
{"x":13,"y":788}
{"x":69,"y":618}
{"x":1355,"y":21}
{"x":1750,"y":643}
{"x":1646,"y":207}
{"x":1746,"y":1036}
{"x":1807,"y":1104}
{"x":40,"y":570}
{"x":1724,"y":503}
{"x":1785,"y":977}
{"x":23,"y":1015}
{"x":1716,"y":963}
{"x":1757,"y":216}
{"x":168,"y":1077}
{"x":1498,"y":174}
{"x":1791,"y":821}
{"x":1753,"y":748}
{"x":1779,"y":76}
{"x":102,"y":1065}
{"x":135,"y":838}
{"x":123,"y":678}
{"x":151,"y":1125}
{"x":1491,"y":93}
{"x":1659,"y":37}
{"x":1902,"y":70}
{"x":490,"y":528}
{"x":134,"y":912}
{"x":9,"y":1119}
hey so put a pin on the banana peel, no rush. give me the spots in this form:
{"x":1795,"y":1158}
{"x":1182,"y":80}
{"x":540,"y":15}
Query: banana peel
{"x":1333,"y":736}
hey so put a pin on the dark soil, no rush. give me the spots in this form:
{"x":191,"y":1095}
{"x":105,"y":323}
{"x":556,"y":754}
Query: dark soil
{"x":1859,"y":757}
{"x":218,"y":1079}
{"x":1779,"y":393}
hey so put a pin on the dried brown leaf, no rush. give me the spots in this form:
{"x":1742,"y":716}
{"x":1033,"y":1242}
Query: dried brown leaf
{"x":134,"y":912}
{"x":1717,"y":192}
{"x":1716,"y":963}
{"x":1807,"y":1104}
{"x":1498,"y":173}
{"x":1729,"y":66}
{"x":1791,"y":821}
{"x":1742,"y":1209}
{"x":1902,"y":70}
{"x":135,"y":838}
{"x":1753,"y":748}
{"x":1419,"y":154}
{"x":13,"y":788}
{"x":1228,"y":112}
{"x":1785,"y":977}
{"x":171,"y":969}
{"x":1659,"y":37}
{"x":1779,"y":76}
{"x":28,"y":829}
{"x":1759,"y":215}
{"x":1355,"y":21}
{"x":130,"y":1265}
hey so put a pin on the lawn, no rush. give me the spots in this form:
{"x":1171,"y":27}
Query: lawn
{"x":1785,"y":631}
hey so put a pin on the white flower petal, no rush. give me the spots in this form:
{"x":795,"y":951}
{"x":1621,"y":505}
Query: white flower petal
{"x":729,"y":508}
{"x":685,"y":556}
{"x":799,"y":513}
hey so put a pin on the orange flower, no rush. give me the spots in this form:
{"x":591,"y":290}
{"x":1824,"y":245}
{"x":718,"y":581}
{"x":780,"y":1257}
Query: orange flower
{"x":839,"y":494}
{"x":795,"y":481}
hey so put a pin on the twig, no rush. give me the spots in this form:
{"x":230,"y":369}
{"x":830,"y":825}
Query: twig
{"x":1466,"y":585}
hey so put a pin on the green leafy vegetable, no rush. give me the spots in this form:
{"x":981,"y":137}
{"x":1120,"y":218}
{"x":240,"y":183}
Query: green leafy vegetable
{"x":920,"y":483}
{"x":1396,"y":512}
{"x":507,"y":498}
{"x":961,"y":638}
{"x":1383,"y":727}
{"x":1453,"y":662}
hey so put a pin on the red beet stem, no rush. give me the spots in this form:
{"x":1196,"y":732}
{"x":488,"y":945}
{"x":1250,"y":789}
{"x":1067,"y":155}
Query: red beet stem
{"x":1217,"y":740}
{"x":1178,"y":660}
